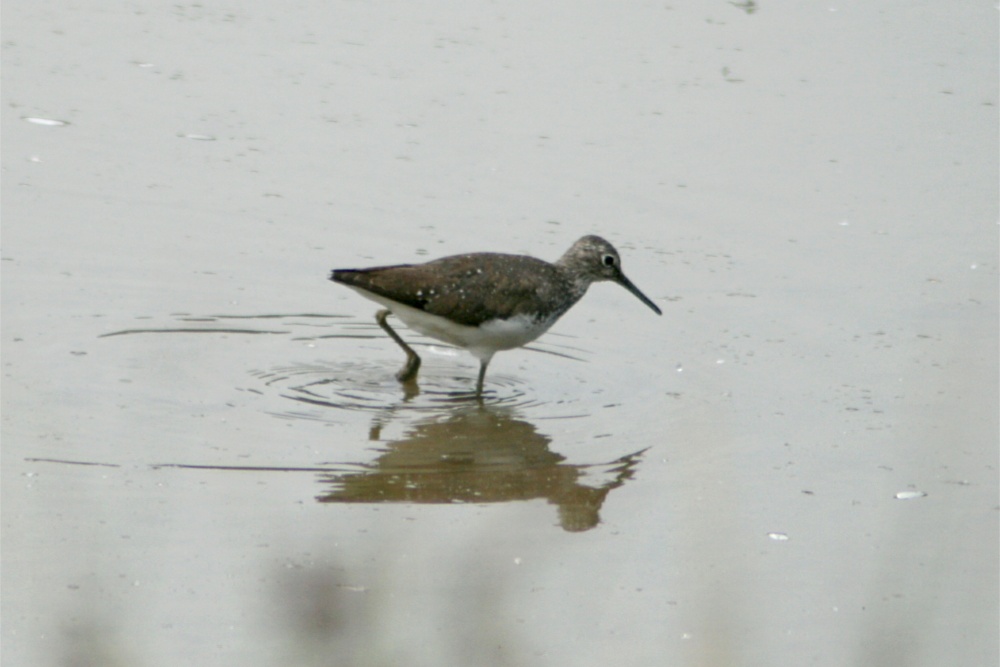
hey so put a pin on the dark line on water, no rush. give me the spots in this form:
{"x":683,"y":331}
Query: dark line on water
{"x":279,"y":316}
{"x":73,"y":463}
{"x":192,"y":330}
{"x":552,"y":352}
{"x":193,"y":466}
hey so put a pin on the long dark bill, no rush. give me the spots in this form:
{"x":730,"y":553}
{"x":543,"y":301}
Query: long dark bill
{"x":627,"y":284}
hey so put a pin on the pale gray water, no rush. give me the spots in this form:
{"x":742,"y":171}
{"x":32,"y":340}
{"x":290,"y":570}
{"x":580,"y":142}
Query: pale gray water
{"x":797,"y":464}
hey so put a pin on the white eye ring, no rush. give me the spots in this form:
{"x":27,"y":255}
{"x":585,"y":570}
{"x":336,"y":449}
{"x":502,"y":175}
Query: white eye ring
{"x":608,"y":260}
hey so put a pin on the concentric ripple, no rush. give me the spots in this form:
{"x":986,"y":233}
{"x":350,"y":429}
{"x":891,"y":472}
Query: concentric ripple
{"x":358,"y":385}
{"x":319,"y":387}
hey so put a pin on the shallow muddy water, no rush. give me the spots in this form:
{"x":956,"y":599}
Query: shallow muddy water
{"x":206,"y":456}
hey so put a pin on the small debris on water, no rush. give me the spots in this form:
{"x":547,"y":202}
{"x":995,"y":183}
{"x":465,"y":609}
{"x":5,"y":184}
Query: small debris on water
{"x":48,"y":122}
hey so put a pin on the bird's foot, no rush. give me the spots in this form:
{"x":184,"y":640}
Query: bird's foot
{"x":408,"y":373}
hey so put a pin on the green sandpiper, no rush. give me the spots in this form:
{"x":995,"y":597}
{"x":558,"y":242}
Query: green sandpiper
{"x":485,"y":302}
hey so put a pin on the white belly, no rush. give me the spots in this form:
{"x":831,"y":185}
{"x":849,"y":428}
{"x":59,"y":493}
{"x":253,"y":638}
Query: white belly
{"x":481,"y":341}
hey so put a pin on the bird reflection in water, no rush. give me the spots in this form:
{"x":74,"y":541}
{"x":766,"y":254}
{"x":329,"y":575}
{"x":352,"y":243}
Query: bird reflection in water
{"x":480,"y":455}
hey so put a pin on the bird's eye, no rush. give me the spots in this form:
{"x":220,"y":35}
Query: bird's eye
{"x":609,"y":260}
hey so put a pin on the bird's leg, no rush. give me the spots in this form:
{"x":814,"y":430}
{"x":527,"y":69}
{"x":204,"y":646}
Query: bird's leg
{"x":482,"y":376}
{"x":409,"y":371}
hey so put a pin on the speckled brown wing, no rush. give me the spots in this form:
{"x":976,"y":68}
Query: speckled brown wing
{"x":468,"y":289}
{"x":493,"y":286}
